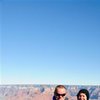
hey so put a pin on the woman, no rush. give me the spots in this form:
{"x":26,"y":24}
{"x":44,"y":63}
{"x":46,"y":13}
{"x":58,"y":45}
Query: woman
{"x":83,"y":94}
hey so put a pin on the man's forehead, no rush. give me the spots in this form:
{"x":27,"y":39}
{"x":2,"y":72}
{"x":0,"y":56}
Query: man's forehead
{"x":61,"y":89}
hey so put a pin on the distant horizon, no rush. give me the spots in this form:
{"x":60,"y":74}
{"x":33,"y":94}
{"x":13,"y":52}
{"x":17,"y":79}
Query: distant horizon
{"x":52,"y":84}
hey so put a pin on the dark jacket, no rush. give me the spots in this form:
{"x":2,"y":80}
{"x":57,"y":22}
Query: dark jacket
{"x":55,"y":98}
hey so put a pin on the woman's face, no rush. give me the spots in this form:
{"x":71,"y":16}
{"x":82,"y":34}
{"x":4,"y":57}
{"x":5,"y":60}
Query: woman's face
{"x":82,"y":96}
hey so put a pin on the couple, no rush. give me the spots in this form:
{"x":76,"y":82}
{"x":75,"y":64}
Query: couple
{"x":61,"y":91}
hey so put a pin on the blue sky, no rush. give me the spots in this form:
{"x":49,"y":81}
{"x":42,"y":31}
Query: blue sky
{"x":50,"y":42}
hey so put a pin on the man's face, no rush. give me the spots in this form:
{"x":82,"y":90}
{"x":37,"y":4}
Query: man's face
{"x":60,"y":94}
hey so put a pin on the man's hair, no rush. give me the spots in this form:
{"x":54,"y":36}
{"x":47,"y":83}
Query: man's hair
{"x":59,"y":86}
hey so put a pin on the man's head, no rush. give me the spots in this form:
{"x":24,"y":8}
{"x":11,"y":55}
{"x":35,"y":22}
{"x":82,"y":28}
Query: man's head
{"x":60,"y":92}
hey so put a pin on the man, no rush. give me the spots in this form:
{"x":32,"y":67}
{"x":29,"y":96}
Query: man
{"x":60,"y":93}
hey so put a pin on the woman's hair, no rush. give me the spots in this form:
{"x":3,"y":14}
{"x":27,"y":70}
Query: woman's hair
{"x":85,"y":91}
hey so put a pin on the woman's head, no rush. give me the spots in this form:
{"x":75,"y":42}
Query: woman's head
{"x":83,"y":94}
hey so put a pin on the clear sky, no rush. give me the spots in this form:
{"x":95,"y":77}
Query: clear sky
{"x":50,"y":42}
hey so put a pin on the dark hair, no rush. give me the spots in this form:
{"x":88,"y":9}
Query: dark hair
{"x":85,"y":91}
{"x":59,"y":86}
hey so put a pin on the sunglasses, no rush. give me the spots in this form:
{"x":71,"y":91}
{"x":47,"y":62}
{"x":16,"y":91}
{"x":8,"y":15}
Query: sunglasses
{"x":57,"y":94}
